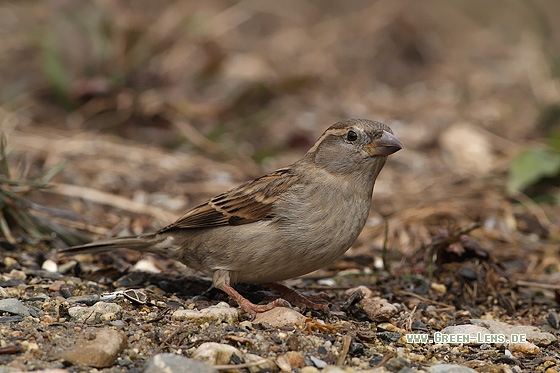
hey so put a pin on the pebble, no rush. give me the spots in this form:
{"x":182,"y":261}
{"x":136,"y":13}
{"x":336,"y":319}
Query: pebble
{"x":318,"y":362}
{"x":524,"y":348}
{"x":438,"y":288}
{"x":377,"y":309}
{"x":172,"y":363}
{"x":289,"y":360}
{"x":219,"y":313}
{"x":280,"y":316}
{"x":474,"y":330}
{"x":16,"y":274}
{"x":9,"y":261}
{"x":533,"y":334}
{"x":261,"y":364}
{"x":213,"y":353}
{"x":553,"y":320}
{"x":88,"y":300}
{"x":14,"y":306}
{"x":145,"y":265}
{"x":396,"y":364}
{"x":100,"y":352}
{"x":309,"y":369}
{"x":450,"y":368}
{"x":471,"y":330}
{"x":96,"y":314}
{"x":44,"y":274}
{"x":8,"y":319}
{"x":50,"y":265}
{"x":56,"y":285}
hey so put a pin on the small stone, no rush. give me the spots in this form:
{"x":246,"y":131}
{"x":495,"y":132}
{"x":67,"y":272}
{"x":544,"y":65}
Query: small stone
{"x":145,"y":265}
{"x":408,"y":370}
{"x":48,"y":319}
{"x":118,"y":323}
{"x":377,"y":309}
{"x":219,"y":313}
{"x":389,"y":336}
{"x":16,"y":274}
{"x":419,"y":325}
{"x":438,"y":288}
{"x":309,"y":369}
{"x":367,"y":293}
{"x":553,"y":320}
{"x":213,"y":353}
{"x":172,"y":363}
{"x":9,"y":319}
{"x":56,"y":285}
{"x":283,"y":363}
{"x":13,"y":306}
{"x":318,"y":362}
{"x":280,"y":316}
{"x":450,"y":368}
{"x":533,"y":334}
{"x":261,"y":364}
{"x":289,"y":360}
{"x":473,"y":331}
{"x":49,"y":265}
{"x":397,"y":363}
{"x":524,"y":348}
{"x":97,"y":313}
{"x":100,"y":352}
{"x":9,"y":261}
{"x":29,"y":346}
{"x":88,"y":300}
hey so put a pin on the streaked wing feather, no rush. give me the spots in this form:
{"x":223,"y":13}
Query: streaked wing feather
{"x":248,"y":203}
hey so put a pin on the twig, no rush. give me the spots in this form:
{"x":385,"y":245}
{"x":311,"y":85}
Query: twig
{"x":6,"y":230}
{"x":446,"y":306}
{"x":346,"y":340}
{"x":534,"y":208}
{"x":196,"y":138}
{"x":409,"y":319}
{"x":537,"y":285}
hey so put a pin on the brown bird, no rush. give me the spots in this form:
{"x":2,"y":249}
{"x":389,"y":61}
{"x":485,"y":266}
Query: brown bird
{"x":282,"y":225}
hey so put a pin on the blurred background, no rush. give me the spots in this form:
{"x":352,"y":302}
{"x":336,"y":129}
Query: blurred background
{"x":154,"y":106}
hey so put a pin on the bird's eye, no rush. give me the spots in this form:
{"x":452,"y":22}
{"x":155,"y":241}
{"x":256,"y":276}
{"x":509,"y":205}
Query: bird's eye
{"x":352,"y":136}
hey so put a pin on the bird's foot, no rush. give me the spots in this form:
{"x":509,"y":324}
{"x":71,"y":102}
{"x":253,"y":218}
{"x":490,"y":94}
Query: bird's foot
{"x":298,"y":299}
{"x":250,"y":308}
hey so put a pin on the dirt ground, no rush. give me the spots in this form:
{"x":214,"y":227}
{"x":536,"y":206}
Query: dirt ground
{"x":153,"y":107}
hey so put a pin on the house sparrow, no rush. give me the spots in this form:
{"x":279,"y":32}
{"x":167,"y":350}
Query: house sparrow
{"x":282,"y":225}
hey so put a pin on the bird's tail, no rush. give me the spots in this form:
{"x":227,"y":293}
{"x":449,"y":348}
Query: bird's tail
{"x":137,"y":243}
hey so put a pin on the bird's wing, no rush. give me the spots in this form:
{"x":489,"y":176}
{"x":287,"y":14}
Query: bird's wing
{"x":248,"y":203}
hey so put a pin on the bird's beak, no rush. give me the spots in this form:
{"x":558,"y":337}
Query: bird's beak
{"x":387,"y":144}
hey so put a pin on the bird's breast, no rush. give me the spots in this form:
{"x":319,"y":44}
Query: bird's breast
{"x":306,"y":234}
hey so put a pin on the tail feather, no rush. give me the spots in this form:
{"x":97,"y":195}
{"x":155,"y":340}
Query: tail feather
{"x":136,"y":243}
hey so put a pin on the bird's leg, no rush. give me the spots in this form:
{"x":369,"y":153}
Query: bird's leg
{"x":298,"y":299}
{"x":222,"y":281}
